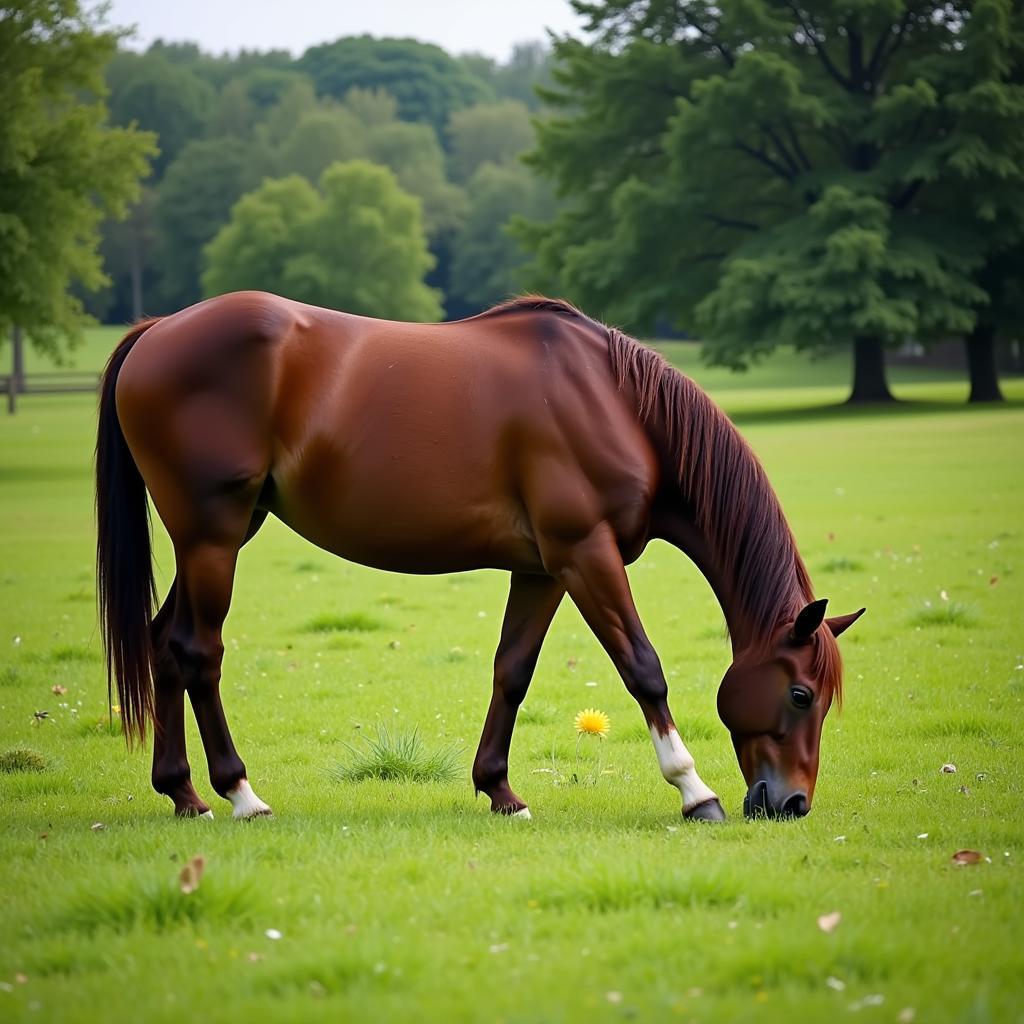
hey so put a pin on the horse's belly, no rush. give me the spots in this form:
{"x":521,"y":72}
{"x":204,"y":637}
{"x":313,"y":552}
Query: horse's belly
{"x":399,"y":526}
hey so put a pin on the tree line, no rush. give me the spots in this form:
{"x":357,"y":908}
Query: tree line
{"x":754,"y":173}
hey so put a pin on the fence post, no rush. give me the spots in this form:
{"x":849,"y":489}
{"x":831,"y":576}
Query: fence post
{"x":12,"y":394}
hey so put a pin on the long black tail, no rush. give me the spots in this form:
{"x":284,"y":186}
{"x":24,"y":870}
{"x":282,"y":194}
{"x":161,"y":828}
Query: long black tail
{"x":125,"y":587}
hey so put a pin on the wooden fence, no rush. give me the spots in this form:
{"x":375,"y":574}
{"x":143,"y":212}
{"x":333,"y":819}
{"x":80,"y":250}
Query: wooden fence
{"x":56,"y":382}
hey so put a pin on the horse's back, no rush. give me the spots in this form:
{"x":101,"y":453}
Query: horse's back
{"x":421,"y":447}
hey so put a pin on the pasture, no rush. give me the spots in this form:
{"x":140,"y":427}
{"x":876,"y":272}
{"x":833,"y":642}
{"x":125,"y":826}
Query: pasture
{"x":397,"y":900}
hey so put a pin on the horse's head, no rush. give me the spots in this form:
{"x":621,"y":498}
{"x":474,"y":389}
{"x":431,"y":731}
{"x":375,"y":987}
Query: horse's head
{"x":774,"y":703}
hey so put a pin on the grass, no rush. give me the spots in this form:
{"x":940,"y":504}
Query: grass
{"x":401,"y":757}
{"x":397,"y":899}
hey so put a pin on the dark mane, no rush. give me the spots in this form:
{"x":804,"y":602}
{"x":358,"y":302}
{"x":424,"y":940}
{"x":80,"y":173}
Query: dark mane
{"x":729,"y":496}
{"x":535,"y":303}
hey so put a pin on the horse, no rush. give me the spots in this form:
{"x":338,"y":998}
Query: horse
{"x":528,"y":438}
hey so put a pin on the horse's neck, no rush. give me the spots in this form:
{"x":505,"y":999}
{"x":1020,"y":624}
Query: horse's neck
{"x":679,"y":530}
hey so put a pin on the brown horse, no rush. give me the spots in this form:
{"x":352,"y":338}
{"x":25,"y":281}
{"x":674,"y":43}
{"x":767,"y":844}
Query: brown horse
{"x":528,"y":438}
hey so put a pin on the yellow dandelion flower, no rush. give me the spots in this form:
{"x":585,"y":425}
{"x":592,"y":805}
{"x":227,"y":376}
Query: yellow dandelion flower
{"x":593,"y":722}
{"x":116,"y":708}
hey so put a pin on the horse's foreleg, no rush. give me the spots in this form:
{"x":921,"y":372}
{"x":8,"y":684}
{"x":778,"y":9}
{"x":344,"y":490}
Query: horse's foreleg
{"x":595,"y":577}
{"x":532,"y":603}
{"x":171,"y":773}
{"x":206,"y":571}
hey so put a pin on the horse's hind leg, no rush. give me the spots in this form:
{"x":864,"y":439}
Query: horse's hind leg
{"x":171,"y":772}
{"x":593,"y":574}
{"x":532,"y":603}
{"x":206,"y":560}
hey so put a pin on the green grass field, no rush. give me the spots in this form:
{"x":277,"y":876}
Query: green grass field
{"x":409,"y":901}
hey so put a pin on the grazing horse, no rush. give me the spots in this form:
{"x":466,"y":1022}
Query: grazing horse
{"x":528,"y":438}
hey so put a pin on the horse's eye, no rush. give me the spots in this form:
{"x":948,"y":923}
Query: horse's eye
{"x":801,"y":697}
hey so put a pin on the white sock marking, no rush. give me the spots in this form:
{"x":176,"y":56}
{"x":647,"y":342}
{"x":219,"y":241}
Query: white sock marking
{"x":245,"y":803}
{"x":207,"y":814}
{"x":677,"y":766}
{"x":524,"y":813}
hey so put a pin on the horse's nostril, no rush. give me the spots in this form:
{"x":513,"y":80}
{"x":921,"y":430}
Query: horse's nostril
{"x":756,"y":800}
{"x":795,"y":805}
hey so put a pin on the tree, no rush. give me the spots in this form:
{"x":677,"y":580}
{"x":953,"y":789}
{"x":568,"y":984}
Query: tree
{"x":194,"y":200}
{"x":160,"y":96}
{"x":427,"y":83}
{"x":489,"y":263}
{"x":527,"y":68}
{"x":772,"y":172}
{"x":356,"y":244}
{"x":414,"y":155}
{"x":62,"y":166}
{"x":321,"y":138}
{"x":496,"y":133}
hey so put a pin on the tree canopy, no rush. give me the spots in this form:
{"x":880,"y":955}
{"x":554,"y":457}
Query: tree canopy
{"x":62,"y":166}
{"x":771,"y":172}
{"x":357,"y":244}
{"x":427,"y":82}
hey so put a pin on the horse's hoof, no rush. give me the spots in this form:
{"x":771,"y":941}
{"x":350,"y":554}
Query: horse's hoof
{"x":523,"y":813}
{"x":513,"y":811}
{"x":245,"y":803}
{"x":207,"y":814}
{"x":191,"y":810}
{"x":706,"y":810}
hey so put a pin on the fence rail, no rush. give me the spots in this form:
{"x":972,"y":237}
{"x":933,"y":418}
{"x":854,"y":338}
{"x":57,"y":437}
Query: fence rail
{"x":52,"y":382}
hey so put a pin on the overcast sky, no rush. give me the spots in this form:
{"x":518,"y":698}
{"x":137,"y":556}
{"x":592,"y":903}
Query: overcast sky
{"x":460,"y":26}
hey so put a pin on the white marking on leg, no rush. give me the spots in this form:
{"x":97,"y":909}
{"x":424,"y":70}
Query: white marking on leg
{"x":245,"y":803}
{"x":677,"y":765}
{"x":207,"y":814}
{"x":523,"y":813}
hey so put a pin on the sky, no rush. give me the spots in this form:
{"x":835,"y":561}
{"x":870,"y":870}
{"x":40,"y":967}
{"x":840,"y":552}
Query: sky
{"x":491,"y":27}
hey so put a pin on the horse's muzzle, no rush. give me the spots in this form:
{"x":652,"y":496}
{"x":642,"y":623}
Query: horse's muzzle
{"x":759,"y":803}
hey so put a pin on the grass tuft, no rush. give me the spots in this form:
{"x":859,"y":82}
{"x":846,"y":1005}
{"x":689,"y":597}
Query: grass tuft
{"x":353,"y":622}
{"x":158,"y":905}
{"x":949,"y":613}
{"x":68,"y":653}
{"x":401,"y":758}
{"x":842,"y":565}
{"x":21,"y":760}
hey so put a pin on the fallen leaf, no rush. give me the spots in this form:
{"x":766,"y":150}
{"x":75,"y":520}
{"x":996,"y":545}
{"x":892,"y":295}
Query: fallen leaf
{"x":97,"y":826}
{"x":906,"y":1015}
{"x":57,"y":690}
{"x":191,"y":874}
{"x":967,"y":857}
{"x":613,"y":997}
{"x":949,"y":769}
{"x":571,"y":663}
{"x":993,"y":581}
{"x":828,"y":923}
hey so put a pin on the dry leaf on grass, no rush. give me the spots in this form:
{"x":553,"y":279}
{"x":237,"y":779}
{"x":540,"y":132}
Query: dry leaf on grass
{"x":191,"y":874}
{"x":828,"y":923}
{"x":967,"y":857}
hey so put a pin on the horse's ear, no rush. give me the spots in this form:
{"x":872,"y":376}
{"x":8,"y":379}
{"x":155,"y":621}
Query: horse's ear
{"x":809,"y":619}
{"x":841,"y":623}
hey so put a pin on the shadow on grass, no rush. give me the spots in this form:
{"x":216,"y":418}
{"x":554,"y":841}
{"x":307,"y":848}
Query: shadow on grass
{"x":864,"y":411}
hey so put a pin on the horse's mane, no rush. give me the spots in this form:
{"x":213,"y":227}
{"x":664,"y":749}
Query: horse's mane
{"x":728,"y":494}
{"x":723,"y":484}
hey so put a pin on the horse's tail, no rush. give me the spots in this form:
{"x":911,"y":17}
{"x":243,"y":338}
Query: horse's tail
{"x":125,"y":587}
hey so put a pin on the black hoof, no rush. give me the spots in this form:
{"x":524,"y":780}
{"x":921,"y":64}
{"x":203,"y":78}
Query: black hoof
{"x":709,"y":810}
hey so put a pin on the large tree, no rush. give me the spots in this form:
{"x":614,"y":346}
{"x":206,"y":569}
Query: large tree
{"x":62,"y":166}
{"x":357,"y":244}
{"x":778,"y":172}
{"x":427,"y":83}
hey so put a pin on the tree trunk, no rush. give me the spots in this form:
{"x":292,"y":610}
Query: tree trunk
{"x":981,"y":364}
{"x":869,"y":382}
{"x":16,"y":381}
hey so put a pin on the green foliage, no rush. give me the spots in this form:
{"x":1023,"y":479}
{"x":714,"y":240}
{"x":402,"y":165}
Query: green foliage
{"x":193,"y":201}
{"x":496,"y":133}
{"x":528,"y":67}
{"x":490,"y":263}
{"x":353,"y":622}
{"x":356,"y":244}
{"x":161,"y":97}
{"x":399,"y":758}
{"x":320,"y":138}
{"x":62,"y":167}
{"x":770,"y":173}
{"x":427,"y":83}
